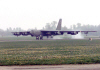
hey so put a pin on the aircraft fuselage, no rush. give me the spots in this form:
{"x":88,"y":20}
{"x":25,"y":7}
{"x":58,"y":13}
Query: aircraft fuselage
{"x":36,"y":32}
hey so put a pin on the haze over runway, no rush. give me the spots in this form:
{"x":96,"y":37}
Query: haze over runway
{"x":36,"y":13}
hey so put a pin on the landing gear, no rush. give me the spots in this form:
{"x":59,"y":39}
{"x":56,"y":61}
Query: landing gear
{"x":39,"y":37}
{"x":47,"y":37}
{"x":51,"y":36}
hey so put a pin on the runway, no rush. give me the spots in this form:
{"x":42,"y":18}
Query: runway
{"x":46,"y":40}
{"x":53,"y":67}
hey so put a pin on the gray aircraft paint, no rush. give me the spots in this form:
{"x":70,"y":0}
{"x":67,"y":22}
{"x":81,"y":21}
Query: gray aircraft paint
{"x":40,"y":33}
{"x":59,"y":24}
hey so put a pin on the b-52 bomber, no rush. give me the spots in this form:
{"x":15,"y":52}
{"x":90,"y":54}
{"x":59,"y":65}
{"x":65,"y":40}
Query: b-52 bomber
{"x":40,"y":33}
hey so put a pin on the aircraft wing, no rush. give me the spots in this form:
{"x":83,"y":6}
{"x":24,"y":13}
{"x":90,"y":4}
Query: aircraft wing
{"x":64,"y":31}
{"x":61,"y":32}
{"x":49,"y":32}
{"x":24,"y":33}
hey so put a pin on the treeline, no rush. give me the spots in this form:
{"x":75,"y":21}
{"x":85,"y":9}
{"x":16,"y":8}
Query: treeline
{"x":87,"y":27}
{"x":78,"y":26}
{"x":52,"y":26}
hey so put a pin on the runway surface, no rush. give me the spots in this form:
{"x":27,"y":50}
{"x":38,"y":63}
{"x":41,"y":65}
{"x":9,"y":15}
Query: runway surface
{"x":46,"y":40}
{"x":53,"y":67}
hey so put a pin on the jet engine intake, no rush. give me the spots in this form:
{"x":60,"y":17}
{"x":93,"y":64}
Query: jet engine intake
{"x":24,"y":33}
{"x":86,"y":32}
{"x":17,"y":33}
{"x":72,"y":33}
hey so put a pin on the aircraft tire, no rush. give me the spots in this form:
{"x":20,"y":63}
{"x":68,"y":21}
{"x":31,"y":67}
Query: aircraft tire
{"x":37,"y":38}
{"x":51,"y":36}
{"x":41,"y":38}
{"x":47,"y":37}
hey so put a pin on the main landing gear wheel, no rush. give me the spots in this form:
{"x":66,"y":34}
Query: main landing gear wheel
{"x":51,"y":36}
{"x":37,"y":38}
{"x":41,"y":38}
{"x":47,"y":37}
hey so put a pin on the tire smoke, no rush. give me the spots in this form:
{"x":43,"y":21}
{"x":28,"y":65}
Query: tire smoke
{"x":78,"y":36}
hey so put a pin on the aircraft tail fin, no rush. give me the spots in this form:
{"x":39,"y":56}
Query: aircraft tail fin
{"x":59,"y":24}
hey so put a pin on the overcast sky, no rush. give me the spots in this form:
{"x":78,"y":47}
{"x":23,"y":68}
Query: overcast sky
{"x":36,"y":13}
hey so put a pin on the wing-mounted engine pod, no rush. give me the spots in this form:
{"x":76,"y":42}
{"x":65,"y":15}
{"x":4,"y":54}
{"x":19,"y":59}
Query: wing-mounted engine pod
{"x":24,"y":33}
{"x":86,"y":32}
{"x":17,"y":33}
{"x":73,"y":32}
{"x":59,"y":33}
